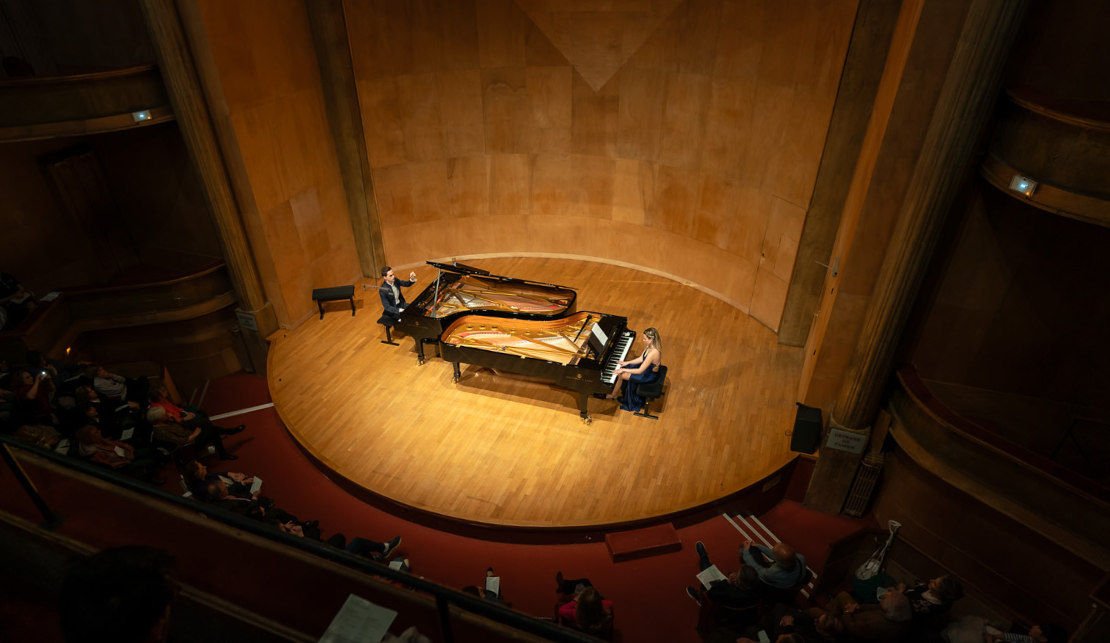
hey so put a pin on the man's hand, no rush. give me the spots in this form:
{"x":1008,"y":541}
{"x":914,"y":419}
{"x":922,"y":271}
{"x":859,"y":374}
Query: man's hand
{"x":133,"y":405}
{"x":194,"y":435}
{"x":747,"y":545}
{"x":851,"y":608}
{"x":900,"y":588}
{"x":186,"y":416}
{"x":412,"y":276}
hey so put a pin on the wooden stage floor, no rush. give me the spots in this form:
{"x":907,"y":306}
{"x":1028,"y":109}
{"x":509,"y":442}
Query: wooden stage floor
{"x":509,"y":452}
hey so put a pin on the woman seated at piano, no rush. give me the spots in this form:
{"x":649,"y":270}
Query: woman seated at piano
{"x":641,"y":370}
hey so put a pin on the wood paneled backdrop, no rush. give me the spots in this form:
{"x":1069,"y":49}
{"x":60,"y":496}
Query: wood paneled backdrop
{"x":678,"y":136}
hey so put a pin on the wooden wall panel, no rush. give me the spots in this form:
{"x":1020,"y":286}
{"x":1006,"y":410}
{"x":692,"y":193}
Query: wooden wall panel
{"x":265,"y":60}
{"x":680,"y":136}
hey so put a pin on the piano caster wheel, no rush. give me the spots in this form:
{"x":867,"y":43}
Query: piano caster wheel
{"x":454,"y":379}
{"x":419,"y":361}
{"x":587,"y":420}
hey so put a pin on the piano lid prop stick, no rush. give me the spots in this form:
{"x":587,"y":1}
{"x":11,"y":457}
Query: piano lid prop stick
{"x":584,"y":324}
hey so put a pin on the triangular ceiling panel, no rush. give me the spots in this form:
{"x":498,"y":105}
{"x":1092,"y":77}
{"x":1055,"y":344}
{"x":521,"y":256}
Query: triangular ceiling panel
{"x":598,"y":36}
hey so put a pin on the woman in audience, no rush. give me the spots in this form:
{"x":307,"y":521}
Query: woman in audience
{"x":119,"y":456}
{"x":32,"y":394}
{"x":178,"y":436}
{"x":160,"y":396}
{"x":198,"y":477}
{"x":588,"y":612}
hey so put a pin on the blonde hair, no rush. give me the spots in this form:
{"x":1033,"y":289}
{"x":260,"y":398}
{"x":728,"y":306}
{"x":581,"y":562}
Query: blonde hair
{"x":653,"y":335}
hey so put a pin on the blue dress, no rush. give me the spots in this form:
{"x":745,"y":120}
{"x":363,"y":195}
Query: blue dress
{"x":629,"y":400}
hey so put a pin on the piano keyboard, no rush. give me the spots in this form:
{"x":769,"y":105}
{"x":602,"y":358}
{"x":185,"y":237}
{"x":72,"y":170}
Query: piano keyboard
{"x":620,"y":351}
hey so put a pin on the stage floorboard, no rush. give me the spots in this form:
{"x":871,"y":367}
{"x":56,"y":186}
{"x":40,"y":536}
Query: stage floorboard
{"x":501,"y":450}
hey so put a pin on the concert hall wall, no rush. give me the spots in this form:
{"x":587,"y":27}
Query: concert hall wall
{"x":682,"y":137}
{"x":260,"y":74}
{"x":154,"y":186}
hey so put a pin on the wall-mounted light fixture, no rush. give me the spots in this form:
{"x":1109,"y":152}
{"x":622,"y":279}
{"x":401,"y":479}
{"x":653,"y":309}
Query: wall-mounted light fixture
{"x":141,"y":116}
{"x":1023,"y":184}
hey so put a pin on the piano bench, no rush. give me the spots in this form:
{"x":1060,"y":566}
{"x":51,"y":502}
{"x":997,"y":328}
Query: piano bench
{"x":388,"y":324}
{"x":651,"y":391}
{"x":336,"y":293}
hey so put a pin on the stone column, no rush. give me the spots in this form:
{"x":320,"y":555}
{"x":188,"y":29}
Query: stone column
{"x":969,"y":93}
{"x":179,"y":74}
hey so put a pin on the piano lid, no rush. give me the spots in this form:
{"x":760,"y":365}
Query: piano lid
{"x":460,"y":268}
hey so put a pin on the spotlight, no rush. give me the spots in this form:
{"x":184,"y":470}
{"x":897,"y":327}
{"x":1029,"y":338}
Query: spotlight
{"x":1023,"y":184}
{"x":141,"y":116}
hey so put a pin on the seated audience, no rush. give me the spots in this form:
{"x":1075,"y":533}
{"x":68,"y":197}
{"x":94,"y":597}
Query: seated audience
{"x":588,"y":612}
{"x":198,"y":477}
{"x":160,"y":397}
{"x":739,"y":591}
{"x":33,"y":394}
{"x":780,"y":568}
{"x":933,"y":599}
{"x":121,"y":595}
{"x":118,"y":387}
{"x":179,"y":436}
{"x":358,"y":546}
{"x":482,"y":592}
{"x":887,"y":622}
{"x":1046,"y":632}
{"x":16,"y":302}
{"x":120,"y":456}
{"x":816,"y":627}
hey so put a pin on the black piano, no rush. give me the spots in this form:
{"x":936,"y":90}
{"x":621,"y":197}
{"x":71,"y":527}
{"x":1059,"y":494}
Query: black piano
{"x":579,"y":351}
{"x":460,"y":290}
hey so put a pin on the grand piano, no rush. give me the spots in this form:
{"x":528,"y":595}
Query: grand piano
{"x":460,"y":290}
{"x":579,"y":352}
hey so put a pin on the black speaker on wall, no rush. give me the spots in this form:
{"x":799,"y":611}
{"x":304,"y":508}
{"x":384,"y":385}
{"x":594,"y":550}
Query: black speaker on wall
{"x":807,"y":429}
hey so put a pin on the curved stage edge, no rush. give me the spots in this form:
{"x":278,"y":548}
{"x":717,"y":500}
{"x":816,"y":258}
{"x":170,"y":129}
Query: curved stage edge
{"x":497,"y":453}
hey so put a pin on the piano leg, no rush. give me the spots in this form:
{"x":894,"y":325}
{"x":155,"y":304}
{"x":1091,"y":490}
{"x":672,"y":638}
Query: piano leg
{"x":419,"y":351}
{"x":582,"y":408}
{"x":458,"y":373}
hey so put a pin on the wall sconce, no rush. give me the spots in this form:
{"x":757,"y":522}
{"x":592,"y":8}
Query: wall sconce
{"x":1023,"y":184}
{"x":141,"y":116}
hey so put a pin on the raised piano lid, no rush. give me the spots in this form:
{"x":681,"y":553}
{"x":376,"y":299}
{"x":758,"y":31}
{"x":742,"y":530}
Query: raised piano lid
{"x":580,"y":339}
{"x":464,"y":289}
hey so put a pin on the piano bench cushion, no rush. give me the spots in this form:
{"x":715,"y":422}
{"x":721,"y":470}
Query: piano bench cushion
{"x":386,"y":321}
{"x":335,"y":293}
{"x":653,"y":389}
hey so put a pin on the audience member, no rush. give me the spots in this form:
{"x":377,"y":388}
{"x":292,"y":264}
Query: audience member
{"x":483,"y":592}
{"x":787,"y":570}
{"x":120,"y":595}
{"x":179,"y":436}
{"x":886,"y":622}
{"x":739,"y":591}
{"x":16,"y":302}
{"x":1047,"y":632}
{"x":817,"y":627}
{"x":358,"y":546}
{"x":198,"y":477}
{"x":931,"y":600}
{"x":120,"y":456}
{"x":32,"y":395}
{"x":159,"y":396}
{"x":588,"y":612}
{"x":118,"y":387}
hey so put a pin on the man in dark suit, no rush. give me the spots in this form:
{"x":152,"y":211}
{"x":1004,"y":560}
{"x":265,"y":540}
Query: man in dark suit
{"x":390,"y":291}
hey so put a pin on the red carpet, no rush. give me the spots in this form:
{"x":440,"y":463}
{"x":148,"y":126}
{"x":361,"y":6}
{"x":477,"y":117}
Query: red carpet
{"x":648,"y":594}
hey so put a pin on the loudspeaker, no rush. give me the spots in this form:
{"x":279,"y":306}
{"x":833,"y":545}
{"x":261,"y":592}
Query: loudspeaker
{"x":807,"y":429}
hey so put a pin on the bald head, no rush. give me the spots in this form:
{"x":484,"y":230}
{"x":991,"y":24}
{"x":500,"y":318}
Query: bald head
{"x":784,"y":555}
{"x":896,"y":607}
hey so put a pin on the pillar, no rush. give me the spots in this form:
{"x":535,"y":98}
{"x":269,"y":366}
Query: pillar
{"x":969,"y":92}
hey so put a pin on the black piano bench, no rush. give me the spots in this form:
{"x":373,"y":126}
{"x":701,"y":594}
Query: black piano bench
{"x":388,"y":323}
{"x":336,"y":293}
{"x":651,"y":391}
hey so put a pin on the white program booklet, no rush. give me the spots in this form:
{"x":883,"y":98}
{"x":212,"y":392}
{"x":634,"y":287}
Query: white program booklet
{"x":359,"y":621}
{"x":709,"y":575}
{"x":257,"y":484}
{"x":493,"y":584}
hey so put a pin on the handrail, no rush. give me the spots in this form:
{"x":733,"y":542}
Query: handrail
{"x":76,"y":78}
{"x":443,"y":595}
{"x":199,"y":272}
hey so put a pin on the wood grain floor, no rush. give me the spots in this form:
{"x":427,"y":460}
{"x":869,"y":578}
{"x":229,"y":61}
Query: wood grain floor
{"x":506,"y":451}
